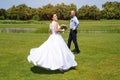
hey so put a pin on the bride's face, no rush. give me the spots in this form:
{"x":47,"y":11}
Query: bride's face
{"x":55,"y":17}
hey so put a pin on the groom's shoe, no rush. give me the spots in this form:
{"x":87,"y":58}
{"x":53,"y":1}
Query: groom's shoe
{"x":77,"y":51}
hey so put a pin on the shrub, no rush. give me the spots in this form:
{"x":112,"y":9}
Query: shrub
{"x":2,"y":17}
{"x":36,"y":17}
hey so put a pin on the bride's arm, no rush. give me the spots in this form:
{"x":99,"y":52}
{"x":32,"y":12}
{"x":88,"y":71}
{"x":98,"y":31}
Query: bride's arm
{"x":50,"y":32}
{"x":56,"y":28}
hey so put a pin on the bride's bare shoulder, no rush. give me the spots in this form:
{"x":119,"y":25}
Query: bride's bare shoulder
{"x":56,"y":23}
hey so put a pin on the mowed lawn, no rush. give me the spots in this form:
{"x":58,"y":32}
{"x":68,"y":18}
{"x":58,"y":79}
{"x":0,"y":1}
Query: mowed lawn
{"x":99,"y":58}
{"x":100,"y":25}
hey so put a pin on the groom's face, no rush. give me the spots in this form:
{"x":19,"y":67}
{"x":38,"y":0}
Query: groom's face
{"x":72,"y":13}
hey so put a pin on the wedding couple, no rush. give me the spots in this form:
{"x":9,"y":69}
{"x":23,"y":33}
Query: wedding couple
{"x":54,"y":54}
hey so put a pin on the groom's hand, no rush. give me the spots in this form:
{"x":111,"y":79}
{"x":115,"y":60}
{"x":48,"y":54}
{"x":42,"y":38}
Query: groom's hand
{"x":73,"y":29}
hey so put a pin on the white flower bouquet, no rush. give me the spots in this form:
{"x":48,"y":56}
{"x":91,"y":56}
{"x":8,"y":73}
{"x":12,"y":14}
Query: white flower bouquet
{"x":63,"y":26}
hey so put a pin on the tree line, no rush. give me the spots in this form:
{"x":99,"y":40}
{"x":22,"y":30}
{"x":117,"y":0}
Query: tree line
{"x":111,"y":10}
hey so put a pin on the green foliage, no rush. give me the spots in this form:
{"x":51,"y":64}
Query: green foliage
{"x":47,"y":11}
{"x":20,"y":12}
{"x":63,"y":11}
{"x":89,"y":12}
{"x":36,"y":17}
{"x":111,"y":10}
{"x":2,"y":17}
{"x":20,"y":22}
{"x":2,"y":14}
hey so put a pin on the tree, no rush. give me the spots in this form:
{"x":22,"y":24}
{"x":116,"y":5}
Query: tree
{"x":111,"y":10}
{"x":23,"y":12}
{"x":63,"y":11}
{"x":89,"y":12}
{"x":36,"y":17}
{"x":94,"y":13}
{"x":72,"y":7}
{"x":36,"y":13}
{"x":11,"y":14}
{"x":2,"y":14}
{"x":46,"y":11}
{"x":20,"y":12}
{"x":83,"y":12}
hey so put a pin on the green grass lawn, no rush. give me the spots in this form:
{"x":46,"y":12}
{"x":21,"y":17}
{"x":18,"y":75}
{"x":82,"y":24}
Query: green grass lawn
{"x":99,"y":58}
{"x":102,"y":25}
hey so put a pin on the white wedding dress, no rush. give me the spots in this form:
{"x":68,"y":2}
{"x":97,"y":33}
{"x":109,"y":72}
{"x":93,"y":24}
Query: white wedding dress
{"x":53,"y":54}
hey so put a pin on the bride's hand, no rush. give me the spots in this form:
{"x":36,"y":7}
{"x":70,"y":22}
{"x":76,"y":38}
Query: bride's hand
{"x":63,"y":30}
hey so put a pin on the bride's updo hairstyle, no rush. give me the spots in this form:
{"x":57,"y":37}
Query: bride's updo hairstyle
{"x":51,"y":16}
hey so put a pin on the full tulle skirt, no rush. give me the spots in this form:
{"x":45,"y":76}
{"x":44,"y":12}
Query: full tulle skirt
{"x":53,"y":54}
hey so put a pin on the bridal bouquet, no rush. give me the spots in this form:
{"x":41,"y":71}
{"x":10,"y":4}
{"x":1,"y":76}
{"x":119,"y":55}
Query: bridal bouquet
{"x":63,"y":26}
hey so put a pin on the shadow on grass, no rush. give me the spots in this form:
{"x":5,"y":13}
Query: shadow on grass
{"x":39,"y":70}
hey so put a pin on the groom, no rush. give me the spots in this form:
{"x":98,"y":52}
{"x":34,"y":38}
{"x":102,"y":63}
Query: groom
{"x":73,"y":32}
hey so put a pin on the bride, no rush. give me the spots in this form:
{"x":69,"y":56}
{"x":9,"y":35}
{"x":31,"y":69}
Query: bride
{"x":53,"y":54}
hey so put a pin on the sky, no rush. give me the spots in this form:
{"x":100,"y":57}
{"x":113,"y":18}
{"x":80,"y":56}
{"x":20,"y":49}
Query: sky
{"x":5,"y":4}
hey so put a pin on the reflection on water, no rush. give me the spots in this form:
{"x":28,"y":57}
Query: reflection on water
{"x":17,"y":30}
{"x":45,"y":30}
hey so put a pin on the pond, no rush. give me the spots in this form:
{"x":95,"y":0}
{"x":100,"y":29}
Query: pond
{"x":17,"y":30}
{"x":44,"y":30}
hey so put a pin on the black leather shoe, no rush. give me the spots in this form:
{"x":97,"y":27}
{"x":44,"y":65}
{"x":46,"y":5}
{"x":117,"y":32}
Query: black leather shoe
{"x":78,"y":51}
